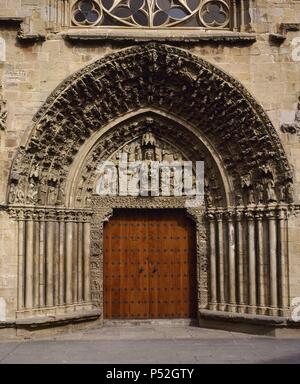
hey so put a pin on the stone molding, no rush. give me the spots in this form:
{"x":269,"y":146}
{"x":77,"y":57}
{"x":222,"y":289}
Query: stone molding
{"x":104,"y":210}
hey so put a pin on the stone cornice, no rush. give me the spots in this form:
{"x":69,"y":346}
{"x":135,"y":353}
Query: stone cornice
{"x":11,"y":20}
{"x":169,"y":35}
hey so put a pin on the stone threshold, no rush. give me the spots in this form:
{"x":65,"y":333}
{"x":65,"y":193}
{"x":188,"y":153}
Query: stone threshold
{"x":141,"y":35}
{"x":151,"y":322}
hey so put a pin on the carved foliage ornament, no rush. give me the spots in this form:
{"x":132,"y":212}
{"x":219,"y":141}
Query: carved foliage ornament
{"x":163,"y":78}
{"x":153,"y":13}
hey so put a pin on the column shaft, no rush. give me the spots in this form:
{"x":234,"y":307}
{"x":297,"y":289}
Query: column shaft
{"x":36,"y":264}
{"x":69,"y":262}
{"x":42,"y":269}
{"x":251,"y":265}
{"x":273,"y":264}
{"x":21,"y":264}
{"x":261,"y":263}
{"x":284,"y":295}
{"x":232,"y":265}
{"x":29,"y":263}
{"x":87,"y":261}
{"x":222,"y":305}
{"x":62,"y":279}
{"x":213,"y":264}
{"x":50,"y":263}
{"x":241,"y":286}
{"x":80,"y":262}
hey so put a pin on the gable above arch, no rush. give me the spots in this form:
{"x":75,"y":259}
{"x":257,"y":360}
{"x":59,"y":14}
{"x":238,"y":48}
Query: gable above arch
{"x":170,"y":80}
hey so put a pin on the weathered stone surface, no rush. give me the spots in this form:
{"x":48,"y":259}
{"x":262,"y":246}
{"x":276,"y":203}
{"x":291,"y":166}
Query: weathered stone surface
{"x":66,"y":104}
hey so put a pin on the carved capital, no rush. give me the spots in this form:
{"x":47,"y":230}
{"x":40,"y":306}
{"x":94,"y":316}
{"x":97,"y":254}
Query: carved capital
{"x":249,"y":215}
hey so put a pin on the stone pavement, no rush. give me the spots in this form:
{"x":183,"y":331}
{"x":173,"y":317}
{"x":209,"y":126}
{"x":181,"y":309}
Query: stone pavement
{"x":154,"y":344}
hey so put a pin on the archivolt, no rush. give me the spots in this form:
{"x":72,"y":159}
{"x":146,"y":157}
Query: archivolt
{"x":164,"y":78}
{"x":106,"y":143}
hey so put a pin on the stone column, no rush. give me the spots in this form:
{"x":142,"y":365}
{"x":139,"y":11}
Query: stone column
{"x":62,"y":269}
{"x":284,"y":294}
{"x":221,"y":262}
{"x":243,"y":26}
{"x":21,"y":262}
{"x":42,"y":271}
{"x":69,"y":261}
{"x":251,"y":263}
{"x":231,"y":262}
{"x":80,"y":263}
{"x":36,"y":264}
{"x":283,"y":262}
{"x":234,"y":15}
{"x":29,"y":264}
{"x":50,"y":262}
{"x":87,"y":261}
{"x":241,"y":278}
{"x":75,"y":263}
{"x":212,"y":263}
{"x":261,"y":262}
{"x":273,"y":268}
{"x":56,"y":262}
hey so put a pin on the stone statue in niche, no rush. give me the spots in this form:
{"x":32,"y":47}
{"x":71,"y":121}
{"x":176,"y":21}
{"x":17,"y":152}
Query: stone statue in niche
{"x":19,"y":193}
{"x":289,"y":192}
{"x":271,"y":195}
{"x":281,"y":193}
{"x":32,"y":194}
{"x":52,"y":190}
{"x":60,"y":195}
{"x":52,"y":194}
{"x":294,"y":127}
{"x":208,"y":197}
{"x":12,"y":194}
{"x":251,"y":198}
{"x":42,"y":191}
{"x":238,"y":199}
{"x":247,"y":187}
{"x":260,"y":193}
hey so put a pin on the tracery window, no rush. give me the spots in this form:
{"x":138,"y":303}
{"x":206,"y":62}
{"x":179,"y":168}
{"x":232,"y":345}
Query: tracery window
{"x":204,"y":14}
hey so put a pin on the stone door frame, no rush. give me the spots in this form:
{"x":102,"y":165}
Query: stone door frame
{"x":103,"y":208}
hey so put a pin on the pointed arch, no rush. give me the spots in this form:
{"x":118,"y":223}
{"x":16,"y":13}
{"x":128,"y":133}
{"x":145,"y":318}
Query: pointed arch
{"x":197,"y":107}
{"x":172,"y":81}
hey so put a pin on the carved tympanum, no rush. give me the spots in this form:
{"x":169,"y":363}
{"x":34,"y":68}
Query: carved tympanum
{"x":148,"y":138}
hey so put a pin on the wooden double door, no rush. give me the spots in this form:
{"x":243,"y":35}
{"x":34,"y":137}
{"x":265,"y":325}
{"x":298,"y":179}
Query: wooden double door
{"x":150,"y":269}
